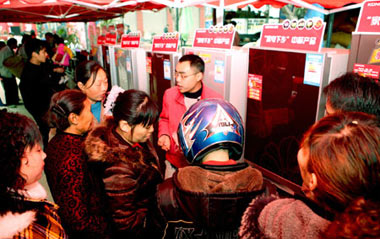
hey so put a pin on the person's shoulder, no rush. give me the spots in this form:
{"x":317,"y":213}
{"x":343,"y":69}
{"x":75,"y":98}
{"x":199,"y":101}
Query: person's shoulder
{"x":210,"y":93}
{"x":172,"y":92}
{"x":12,"y":223}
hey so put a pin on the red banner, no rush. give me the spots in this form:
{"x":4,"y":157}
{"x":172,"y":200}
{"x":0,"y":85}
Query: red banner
{"x":255,"y":86}
{"x":220,"y":37}
{"x":130,"y":40}
{"x":371,"y":71}
{"x":167,"y":42}
{"x":111,"y":38}
{"x":101,"y":40}
{"x":295,"y":35}
{"x":369,"y":18}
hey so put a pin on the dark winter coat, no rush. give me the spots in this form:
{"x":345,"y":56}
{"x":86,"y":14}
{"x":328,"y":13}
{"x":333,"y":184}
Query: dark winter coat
{"x":75,"y":187}
{"x":131,"y":174}
{"x":208,"y":201}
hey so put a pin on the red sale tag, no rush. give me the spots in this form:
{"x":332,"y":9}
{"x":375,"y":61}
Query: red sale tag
{"x":167,"y":42}
{"x":220,"y":37}
{"x":255,"y":86}
{"x":101,"y":40}
{"x":371,"y":71}
{"x":130,"y":40}
{"x":300,"y":34}
{"x":369,"y":18}
{"x":111,"y":38}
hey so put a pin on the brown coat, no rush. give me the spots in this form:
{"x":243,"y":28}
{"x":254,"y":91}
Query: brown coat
{"x":208,"y":201}
{"x":130,"y":177}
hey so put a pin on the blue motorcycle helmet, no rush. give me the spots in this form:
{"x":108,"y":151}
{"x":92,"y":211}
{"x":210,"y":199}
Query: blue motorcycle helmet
{"x":208,"y":125}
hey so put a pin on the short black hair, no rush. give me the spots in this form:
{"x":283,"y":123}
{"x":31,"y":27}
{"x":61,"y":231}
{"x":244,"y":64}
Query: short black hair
{"x":12,"y":42}
{"x":34,"y":45}
{"x":352,"y":92}
{"x":195,"y":61}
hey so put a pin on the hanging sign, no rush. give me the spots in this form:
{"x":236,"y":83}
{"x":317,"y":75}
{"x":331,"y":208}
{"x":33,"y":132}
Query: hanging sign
{"x":369,"y":18}
{"x":220,"y":37}
{"x":101,"y":40}
{"x":111,"y":38}
{"x":168,"y":42}
{"x":305,"y":35}
{"x":131,"y":40}
{"x":371,"y":71}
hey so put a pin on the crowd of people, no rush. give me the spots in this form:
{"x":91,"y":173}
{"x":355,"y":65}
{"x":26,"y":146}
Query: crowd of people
{"x":107,"y":180}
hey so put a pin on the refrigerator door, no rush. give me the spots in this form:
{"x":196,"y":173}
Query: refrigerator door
{"x":161,"y":74}
{"x":284,"y":95}
{"x":99,"y":55}
{"x":217,"y":63}
{"x":160,"y":68}
{"x":364,"y":49}
{"x":226,"y":72}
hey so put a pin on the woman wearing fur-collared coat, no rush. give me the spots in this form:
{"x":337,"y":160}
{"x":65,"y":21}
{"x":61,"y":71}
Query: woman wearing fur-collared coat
{"x":131,"y":168}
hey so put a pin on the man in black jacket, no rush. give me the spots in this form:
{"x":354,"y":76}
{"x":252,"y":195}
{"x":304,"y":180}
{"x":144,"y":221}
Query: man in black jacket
{"x":37,"y":84}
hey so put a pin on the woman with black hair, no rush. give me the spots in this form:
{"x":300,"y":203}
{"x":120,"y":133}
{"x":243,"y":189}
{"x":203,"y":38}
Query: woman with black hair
{"x":73,"y":184}
{"x":131,"y":167}
{"x":92,"y":80}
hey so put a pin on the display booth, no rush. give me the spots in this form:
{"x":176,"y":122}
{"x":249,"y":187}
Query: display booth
{"x":286,"y":78}
{"x":127,"y":63}
{"x":226,"y":68}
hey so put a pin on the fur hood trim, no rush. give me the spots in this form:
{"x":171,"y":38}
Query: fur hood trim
{"x":102,"y":145}
{"x":249,"y":228}
{"x":13,"y":223}
{"x":198,"y":180}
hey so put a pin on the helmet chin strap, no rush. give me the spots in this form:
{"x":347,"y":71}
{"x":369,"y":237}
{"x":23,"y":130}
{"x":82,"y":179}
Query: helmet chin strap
{"x":220,"y":155}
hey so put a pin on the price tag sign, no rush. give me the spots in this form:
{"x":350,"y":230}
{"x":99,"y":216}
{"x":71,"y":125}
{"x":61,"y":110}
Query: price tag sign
{"x":220,"y":37}
{"x":371,"y":71}
{"x":369,"y":18}
{"x":305,"y":35}
{"x":131,"y":40}
{"x":168,"y":42}
{"x":255,"y":87}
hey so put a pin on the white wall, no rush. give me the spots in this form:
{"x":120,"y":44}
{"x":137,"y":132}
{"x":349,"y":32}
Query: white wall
{"x":154,"y":23}
{"x":130,"y":19}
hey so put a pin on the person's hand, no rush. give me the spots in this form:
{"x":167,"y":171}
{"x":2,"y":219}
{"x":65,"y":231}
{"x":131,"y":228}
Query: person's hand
{"x":164,"y":142}
{"x":59,"y":69}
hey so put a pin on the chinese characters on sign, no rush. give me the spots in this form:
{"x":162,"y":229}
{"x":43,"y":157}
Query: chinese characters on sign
{"x":371,"y":71}
{"x":168,"y":42}
{"x":255,"y":86}
{"x":369,"y":18}
{"x":220,"y":37}
{"x":131,"y":40}
{"x":295,"y":35}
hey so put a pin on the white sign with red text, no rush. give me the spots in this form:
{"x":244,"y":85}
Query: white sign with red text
{"x":168,"y":42}
{"x":131,"y":40}
{"x":294,"y":34}
{"x":369,"y":18}
{"x":220,"y":37}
